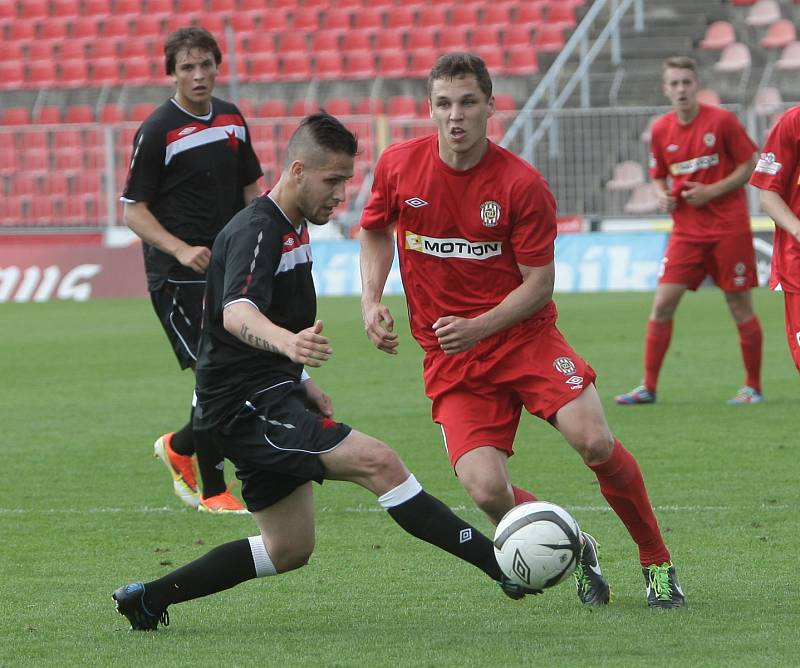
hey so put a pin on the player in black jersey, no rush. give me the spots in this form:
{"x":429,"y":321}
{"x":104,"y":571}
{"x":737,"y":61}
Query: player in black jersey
{"x":193,"y":167}
{"x":255,"y":399}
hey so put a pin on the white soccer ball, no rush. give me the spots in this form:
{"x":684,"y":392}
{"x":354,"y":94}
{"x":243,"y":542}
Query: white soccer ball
{"x":537,"y":544}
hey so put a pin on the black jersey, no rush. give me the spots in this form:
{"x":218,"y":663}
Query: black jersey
{"x":259,"y":257}
{"x":191,"y":171}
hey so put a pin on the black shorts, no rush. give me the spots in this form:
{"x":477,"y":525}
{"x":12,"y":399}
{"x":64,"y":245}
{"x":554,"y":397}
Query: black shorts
{"x":275,"y":441}
{"x":179,"y":307}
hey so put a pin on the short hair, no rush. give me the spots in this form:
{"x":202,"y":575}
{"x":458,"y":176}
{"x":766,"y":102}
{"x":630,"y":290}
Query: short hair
{"x":320,"y":131}
{"x":455,"y":65}
{"x":189,"y":38}
{"x":679,"y":63}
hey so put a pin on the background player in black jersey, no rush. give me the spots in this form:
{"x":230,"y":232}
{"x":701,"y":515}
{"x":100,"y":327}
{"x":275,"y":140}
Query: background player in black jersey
{"x":192,"y":169}
{"x":259,"y":331}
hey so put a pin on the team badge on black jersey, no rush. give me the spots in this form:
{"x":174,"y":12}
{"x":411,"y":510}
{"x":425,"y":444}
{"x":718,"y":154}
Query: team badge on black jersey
{"x":490,"y":213}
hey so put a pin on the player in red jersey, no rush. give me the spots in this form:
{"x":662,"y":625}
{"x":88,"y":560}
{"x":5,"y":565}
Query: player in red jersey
{"x":701,"y":158}
{"x":475,"y":230}
{"x":777,"y":174}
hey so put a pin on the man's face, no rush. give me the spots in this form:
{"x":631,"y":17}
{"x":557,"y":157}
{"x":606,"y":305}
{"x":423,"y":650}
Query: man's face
{"x":460,"y":110}
{"x":680,"y":87}
{"x":321,"y":188}
{"x":194,"y":77}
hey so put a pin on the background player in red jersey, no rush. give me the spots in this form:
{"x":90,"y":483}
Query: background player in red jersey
{"x":193,"y":168}
{"x":777,"y":174}
{"x":475,"y":232}
{"x":701,"y":158}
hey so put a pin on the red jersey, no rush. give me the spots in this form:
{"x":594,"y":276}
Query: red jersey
{"x":779,"y":170}
{"x":706,"y":150}
{"x":461,"y":234}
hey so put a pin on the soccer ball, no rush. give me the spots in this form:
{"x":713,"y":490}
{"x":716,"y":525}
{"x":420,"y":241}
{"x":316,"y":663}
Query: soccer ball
{"x":537,"y":544}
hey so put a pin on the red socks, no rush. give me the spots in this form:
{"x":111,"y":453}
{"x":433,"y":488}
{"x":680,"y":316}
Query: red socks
{"x":656,"y":343}
{"x":622,"y":485}
{"x":750,"y":341}
{"x":522,"y":496}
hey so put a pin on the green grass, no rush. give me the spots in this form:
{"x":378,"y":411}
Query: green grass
{"x":85,"y":389}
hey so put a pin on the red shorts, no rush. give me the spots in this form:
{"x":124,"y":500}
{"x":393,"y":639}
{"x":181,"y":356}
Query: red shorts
{"x":792,"y":310}
{"x":730,"y":261}
{"x":478,"y":395}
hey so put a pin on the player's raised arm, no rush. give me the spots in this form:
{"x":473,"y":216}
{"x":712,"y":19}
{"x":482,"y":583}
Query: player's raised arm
{"x":377,"y":255}
{"x":248,"y":324}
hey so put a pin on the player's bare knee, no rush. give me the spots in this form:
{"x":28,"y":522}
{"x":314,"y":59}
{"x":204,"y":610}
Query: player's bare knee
{"x":288,"y":555}
{"x":596,"y":446}
{"x":383,"y":467}
{"x":493,"y":497}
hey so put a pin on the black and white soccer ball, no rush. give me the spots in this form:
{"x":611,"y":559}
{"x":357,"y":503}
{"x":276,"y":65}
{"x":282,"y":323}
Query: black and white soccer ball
{"x":537,"y":544}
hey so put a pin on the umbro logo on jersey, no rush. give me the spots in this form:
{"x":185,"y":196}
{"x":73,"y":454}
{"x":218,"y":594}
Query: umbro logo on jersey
{"x":672,"y":148}
{"x":187,"y":131}
{"x":416,"y":202}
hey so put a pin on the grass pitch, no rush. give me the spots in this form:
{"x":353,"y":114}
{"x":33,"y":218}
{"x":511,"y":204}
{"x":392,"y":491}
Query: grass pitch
{"x":84,"y":507}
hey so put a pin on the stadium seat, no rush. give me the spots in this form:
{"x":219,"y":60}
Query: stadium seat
{"x":627,"y":175}
{"x":305,"y":18}
{"x":130,"y":8}
{"x":505,"y":102}
{"x":12,"y":75}
{"x":265,"y":43}
{"x":420,"y":63}
{"x":22,"y":30}
{"x":359,"y":65}
{"x":96,"y":7}
{"x":767,"y":101}
{"x":35,"y":159}
{"x":493,"y":56}
{"x":779,"y":34}
{"x":68,"y":159}
{"x":548,"y":38}
{"x":303,"y":107}
{"x":328,"y":65}
{"x":53,"y":29}
{"x":79,"y":113}
{"x":708,"y":96}
{"x":140,"y":111}
{"x":763,"y":13}
{"x":103,"y":47}
{"x":34,"y":9}
{"x":463,"y":15}
{"x":34,"y":137}
{"x":718,"y":35}
{"x":47,"y":114}
{"x":162,"y":7}
{"x":734,"y":58}
{"x":40,"y":73}
{"x":432,"y":16}
{"x":190,"y":6}
{"x":561,"y":14}
{"x":293,"y":41}
{"x":790,"y":57}
{"x":111,"y":113}
{"x":326,"y":40}
{"x":104,"y":72}
{"x":522,"y":61}
{"x":294,"y":67}
{"x":338,"y":106}
{"x":65,"y":8}
{"x":486,"y":38}
{"x":262,"y":67}
{"x":455,"y":38}
{"x":642,"y":200}
{"x":83,"y":28}
{"x":497,"y":14}
{"x":421,"y":40}
{"x":402,"y":106}
{"x":15,"y":115}
{"x":72,"y":73}
{"x":366,"y":106}
{"x":369,"y":18}
{"x":529,"y":13}
{"x":338,"y":18}
{"x":357,"y":40}
{"x":136,"y":72}
{"x":147,"y":25}
{"x":402,"y":17}
{"x":392,"y":65}
{"x":272,"y":108}
{"x":389,"y":40}
{"x":515,"y":36}
{"x":115,"y":26}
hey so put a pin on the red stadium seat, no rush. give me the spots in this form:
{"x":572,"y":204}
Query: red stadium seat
{"x":464,"y":15}
{"x":115,"y":26}
{"x":12,"y":74}
{"x":72,"y":73}
{"x":734,"y":58}
{"x":493,"y":56}
{"x":35,"y":159}
{"x":34,"y":9}
{"x":128,"y":7}
{"x":96,"y":7}
{"x":561,"y":14}
{"x":53,"y":29}
{"x":222,"y":6}
{"x":359,"y":65}
{"x":627,"y":175}
{"x":326,"y":40}
{"x":303,"y":107}
{"x":305,"y":18}
{"x":338,"y":106}
{"x":111,"y":113}
{"x":15,"y":115}
{"x":104,"y":72}
{"x":22,"y":30}
{"x":779,"y":34}
{"x":328,"y":65}
{"x":294,"y":67}
{"x":163,"y":7}
{"x":505,"y":102}
{"x":369,"y":106}
{"x":338,"y":18}
{"x":642,"y":200}
{"x":79,"y":113}
{"x":401,"y":17}
{"x":48,"y":114}
{"x":357,"y":40}
{"x":190,"y":6}
{"x":420,"y":63}
{"x":549,"y":38}
{"x":262,"y":67}
{"x":718,"y":35}
{"x":40,"y":73}
{"x":486,"y":38}
{"x":65,"y":8}
{"x":456,"y":38}
{"x":141,"y":111}
{"x":389,"y":40}
{"x":422,"y":39}
{"x":83,"y":28}
{"x":522,"y":61}
{"x":295,"y":41}
{"x":402,"y":106}
{"x":708,"y":96}
{"x":392,"y":65}
{"x":517,"y":36}
{"x":104,"y":47}
{"x":68,"y":158}
{"x":147,"y":25}
{"x":790,"y":57}
{"x":529,"y":13}
{"x":432,"y":16}
{"x":137,"y":72}
{"x":272,"y":109}
{"x":763,"y":13}
{"x":497,"y":14}
{"x":264,"y":43}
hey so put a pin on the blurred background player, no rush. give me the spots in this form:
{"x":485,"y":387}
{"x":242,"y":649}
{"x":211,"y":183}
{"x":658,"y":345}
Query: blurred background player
{"x":192,"y":169}
{"x":777,"y":175}
{"x":700,"y":160}
{"x":475,"y":229}
{"x":259,"y":331}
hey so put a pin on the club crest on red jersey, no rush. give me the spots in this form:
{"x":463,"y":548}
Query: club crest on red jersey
{"x":565,"y":365}
{"x":709,"y":139}
{"x":490,"y":213}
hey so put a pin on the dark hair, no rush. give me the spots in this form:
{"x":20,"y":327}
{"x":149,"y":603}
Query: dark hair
{"x":189,"y":38}
{"x":321,"y":130}
{"x":455,"y":65}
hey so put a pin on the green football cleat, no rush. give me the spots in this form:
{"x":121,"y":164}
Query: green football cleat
{"x":592,"y":587}
{"x":663,"y":589}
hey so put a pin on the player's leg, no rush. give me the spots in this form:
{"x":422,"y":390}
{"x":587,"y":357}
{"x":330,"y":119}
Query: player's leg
{"x":583,"y":424}
{"x":373,"y":465}
{"x":792,"y":321}
{"x":751,"y":340}
{"x":483,"y":472}
{"x":285,"y":542}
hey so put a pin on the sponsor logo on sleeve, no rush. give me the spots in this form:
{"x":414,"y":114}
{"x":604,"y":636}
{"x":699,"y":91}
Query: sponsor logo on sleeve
{"x":768,"y":165}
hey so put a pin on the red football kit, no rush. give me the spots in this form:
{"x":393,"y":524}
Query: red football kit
{"x":460,"y":238}
{"x":778,"y":169}
{"x":714,"y":239}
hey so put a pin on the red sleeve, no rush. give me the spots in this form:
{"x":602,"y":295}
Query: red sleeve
{"x":737,"y":141}
{"x":380,"y":210}
{"x":778,"y":157}
{"x":658,"y":167}
{"x":534,"y":232}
